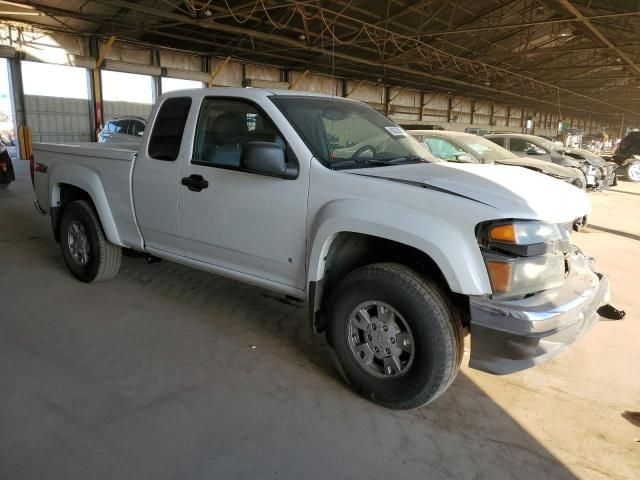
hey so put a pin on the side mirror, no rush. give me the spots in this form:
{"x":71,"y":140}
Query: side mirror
{"x":463,"y":157}
{"x":141,"y":133}
{"x":267,"y":158}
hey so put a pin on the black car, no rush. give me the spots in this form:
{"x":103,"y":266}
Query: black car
{"x":627,"y":157}
{"x":6,"y":168}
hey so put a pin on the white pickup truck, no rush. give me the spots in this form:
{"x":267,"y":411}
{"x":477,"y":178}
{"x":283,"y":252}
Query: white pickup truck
{"x":326,"y":201}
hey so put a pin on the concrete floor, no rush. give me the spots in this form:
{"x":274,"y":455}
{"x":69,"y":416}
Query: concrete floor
{"x":169,"y":373}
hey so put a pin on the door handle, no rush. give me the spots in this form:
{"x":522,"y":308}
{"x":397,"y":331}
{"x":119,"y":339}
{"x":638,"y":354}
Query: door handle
{"x":195,"y":183}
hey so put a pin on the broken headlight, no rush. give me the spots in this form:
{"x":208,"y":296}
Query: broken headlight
{"x":523,"y":256}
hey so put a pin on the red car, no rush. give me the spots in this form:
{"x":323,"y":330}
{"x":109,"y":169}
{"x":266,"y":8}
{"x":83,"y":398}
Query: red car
{"x":6,"y":167}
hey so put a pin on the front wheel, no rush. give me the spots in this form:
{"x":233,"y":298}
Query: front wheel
{"x":395,"y":338}
{"x":87,"y":253}
{"x":632,"y":172}
{"x":579,"y":223}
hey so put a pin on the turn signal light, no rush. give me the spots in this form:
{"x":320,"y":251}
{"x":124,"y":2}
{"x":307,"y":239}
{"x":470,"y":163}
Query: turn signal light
{"x":501,"y":274}
{"x":504,"y":233}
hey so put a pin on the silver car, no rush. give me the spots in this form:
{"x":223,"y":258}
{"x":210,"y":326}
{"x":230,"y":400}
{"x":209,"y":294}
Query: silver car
{"x":123,"y":130}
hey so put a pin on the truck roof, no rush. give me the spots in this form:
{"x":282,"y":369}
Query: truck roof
{"x":248,"y":92}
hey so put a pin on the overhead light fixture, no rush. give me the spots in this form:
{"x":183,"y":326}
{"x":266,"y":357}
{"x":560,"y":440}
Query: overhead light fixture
{"x":565,"y":34}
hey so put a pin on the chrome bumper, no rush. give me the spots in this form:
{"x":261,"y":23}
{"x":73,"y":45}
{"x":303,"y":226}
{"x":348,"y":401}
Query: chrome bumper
{"x":512,"y":335}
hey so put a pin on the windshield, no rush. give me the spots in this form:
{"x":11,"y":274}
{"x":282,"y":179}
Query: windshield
{"x":345,"y":134}
{"x":550,"y":146}
{"x":486,"y":149}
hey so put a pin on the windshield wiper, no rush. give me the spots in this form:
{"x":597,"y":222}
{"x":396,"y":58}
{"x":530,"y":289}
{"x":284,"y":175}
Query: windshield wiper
{"x":407,"y":158}
{"x":354,"y":161}
{"x":387,"y":161}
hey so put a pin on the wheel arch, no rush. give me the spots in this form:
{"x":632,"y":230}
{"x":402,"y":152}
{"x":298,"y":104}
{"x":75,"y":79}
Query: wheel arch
{"x":70,"y":184}
{"x":346,"y":251}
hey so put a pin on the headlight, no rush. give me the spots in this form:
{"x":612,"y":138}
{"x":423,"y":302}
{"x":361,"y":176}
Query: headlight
{"x":523,"y":256}
{"x":519,"y":276}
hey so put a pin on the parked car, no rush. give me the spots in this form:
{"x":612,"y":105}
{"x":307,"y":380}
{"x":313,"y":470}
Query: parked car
{"x":477,"y":131}
{"x":397,"y":254}
{"x":465,"y":147}
{"x":627,"y":157}
{"x":468,"y":148}
{"x":123,"y":130}
{"x":7,"y":174}
{"x":550,"y":139}
{"x":604,"y":172}
{"x":532,"y":146}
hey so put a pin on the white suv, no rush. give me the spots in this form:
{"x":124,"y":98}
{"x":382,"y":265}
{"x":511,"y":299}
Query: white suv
{"x":123,"y":130}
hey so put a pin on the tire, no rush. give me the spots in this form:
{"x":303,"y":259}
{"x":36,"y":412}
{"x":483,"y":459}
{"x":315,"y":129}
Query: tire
{"x":433,"y":358}
{"x":80,"y":226}
{"x":632,"y":172}
{"x":581,"y":180}
{"x":579,"y":223}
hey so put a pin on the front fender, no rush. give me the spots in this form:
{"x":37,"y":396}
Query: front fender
{"x":456,"y":254}
{"x":86,"y":179}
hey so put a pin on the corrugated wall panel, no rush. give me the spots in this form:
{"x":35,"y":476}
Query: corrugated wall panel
{"x":261,"y":72}
{"x":119,"y":109}
{"x":367,"y":92}
{"x":179,"y":60}
{"x":128,"y":54}
{"x":316,"y":83}
{"x":57,"y":119}
{"x":228,"y":76}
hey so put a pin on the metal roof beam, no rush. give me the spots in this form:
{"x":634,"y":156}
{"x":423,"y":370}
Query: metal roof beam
{"x":596,"y":31}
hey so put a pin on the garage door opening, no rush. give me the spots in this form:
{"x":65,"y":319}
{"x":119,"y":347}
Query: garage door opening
{"x":56,"y":99}
{"x":172,"y":84}
{"x":126,"y":94}
{"x":7,"y":122}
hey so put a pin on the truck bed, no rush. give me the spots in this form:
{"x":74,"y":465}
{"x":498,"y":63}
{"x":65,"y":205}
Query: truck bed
{"x":107,"y":163}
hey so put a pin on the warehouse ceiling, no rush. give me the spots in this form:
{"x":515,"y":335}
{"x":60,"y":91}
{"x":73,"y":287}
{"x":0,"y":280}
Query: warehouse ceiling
{"x":580,"y":55}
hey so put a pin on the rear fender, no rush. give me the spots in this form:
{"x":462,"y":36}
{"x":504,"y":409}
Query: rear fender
{"x":85,"y":179}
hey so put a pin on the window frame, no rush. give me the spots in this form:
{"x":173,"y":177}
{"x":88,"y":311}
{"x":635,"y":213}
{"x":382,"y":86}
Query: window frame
{"x":288,"y":151}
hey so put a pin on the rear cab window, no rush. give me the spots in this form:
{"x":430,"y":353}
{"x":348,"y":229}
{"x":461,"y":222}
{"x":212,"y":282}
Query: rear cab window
{"x":168,"y":129}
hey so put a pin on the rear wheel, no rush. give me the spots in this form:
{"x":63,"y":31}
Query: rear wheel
{"x":86,"y":252}
{"x":632,"y":172}
{"x":394,"y":336}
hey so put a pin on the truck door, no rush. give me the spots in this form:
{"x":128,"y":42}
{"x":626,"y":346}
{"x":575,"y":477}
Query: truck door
{"x":155,"y":178}
{"x":248,"y":223}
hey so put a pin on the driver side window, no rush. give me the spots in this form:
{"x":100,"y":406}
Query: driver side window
{"x":224,"y":126}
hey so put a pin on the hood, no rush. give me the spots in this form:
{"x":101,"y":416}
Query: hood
{"x":516,"y":192}
{"x":586,"y":155}
{"x":548,"y":168}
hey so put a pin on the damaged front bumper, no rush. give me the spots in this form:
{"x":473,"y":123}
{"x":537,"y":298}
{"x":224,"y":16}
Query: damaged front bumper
{"x":511,"y":335}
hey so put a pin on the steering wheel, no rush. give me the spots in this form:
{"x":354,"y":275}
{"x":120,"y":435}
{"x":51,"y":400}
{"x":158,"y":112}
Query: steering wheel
{"x":363,"y":149}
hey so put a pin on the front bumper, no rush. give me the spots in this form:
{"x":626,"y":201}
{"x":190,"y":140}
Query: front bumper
{"x":511,"y":335}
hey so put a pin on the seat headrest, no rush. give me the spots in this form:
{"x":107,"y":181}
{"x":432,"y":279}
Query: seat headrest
{"x":227,"y":127}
